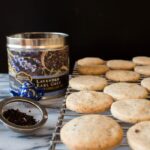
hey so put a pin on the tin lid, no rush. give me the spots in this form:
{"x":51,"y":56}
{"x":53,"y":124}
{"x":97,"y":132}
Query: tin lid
{"x":39,"y":40}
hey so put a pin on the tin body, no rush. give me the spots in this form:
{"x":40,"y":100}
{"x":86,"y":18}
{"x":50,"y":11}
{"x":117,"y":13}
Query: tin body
{"x":42,"y":58}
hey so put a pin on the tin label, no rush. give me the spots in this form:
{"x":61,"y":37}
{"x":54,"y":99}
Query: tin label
{"x":48,"y":69}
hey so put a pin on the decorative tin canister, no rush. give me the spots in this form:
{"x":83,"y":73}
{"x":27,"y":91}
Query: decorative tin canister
{"x":41,"y":58}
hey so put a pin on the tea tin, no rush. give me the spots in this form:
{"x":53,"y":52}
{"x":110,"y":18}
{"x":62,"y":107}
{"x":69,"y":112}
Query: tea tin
{"x":41,"y":58}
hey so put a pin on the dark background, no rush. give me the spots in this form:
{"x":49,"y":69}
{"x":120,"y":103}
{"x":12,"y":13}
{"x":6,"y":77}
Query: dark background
{"x":108,"y":29}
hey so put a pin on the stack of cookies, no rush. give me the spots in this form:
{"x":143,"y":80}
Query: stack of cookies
{"x":109,"y":85}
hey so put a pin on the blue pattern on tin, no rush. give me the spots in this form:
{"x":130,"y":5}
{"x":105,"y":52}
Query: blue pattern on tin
{"x":29,"y":90}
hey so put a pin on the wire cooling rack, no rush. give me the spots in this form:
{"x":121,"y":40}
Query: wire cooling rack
{"x":67,"y":115}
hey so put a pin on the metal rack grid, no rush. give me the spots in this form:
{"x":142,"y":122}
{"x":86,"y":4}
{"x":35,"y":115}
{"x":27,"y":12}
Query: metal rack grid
{"x":66,"y":115}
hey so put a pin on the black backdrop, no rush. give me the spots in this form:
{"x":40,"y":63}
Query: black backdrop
{"x":108,"y":29}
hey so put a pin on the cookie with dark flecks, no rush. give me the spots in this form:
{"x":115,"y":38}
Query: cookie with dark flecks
{"x":91,"y":132}
{"x":138,"y":136}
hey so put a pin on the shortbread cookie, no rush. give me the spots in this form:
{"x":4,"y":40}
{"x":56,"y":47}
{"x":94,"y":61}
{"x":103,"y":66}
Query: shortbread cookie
{"x":92,"y":69}
{"x":122,"y":75}
{"x":142,"y":60}
{"x":124,"y":90}
{"x":138,"y":136}
{"x":131,"y":110}
{"x":91,"y":132}
{"x":90,"y":61}
{"x":88,"y":102}
{"x":87,"y":82}
{"x":120,"y":64}
{"x":144,"y":70}
{"x":146,"y":83}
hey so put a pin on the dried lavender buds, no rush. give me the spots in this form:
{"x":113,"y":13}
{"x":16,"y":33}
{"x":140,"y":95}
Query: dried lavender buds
{"x":19,"y":118}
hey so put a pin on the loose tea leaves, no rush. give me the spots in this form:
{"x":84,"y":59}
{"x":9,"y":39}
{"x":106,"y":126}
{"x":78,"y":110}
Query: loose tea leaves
{"x":19,"y":118}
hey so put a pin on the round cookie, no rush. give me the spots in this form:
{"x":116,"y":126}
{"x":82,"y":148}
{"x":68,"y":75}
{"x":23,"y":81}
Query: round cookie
{"x":138,"y":136}
{"x":131,"y":110}
{"x":91,"y":132}
{"x":92,"y":69}
{"x":144,"y":70}
{"x":124,"y":90}
{"x":122,"y":75}
{"x":88,"y":102}
{"x":87,"y":82}
{"x":146,"y":83}
{"x":142,"y":60}
{"x":120,"y":64}
{"x":90,"y":61}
